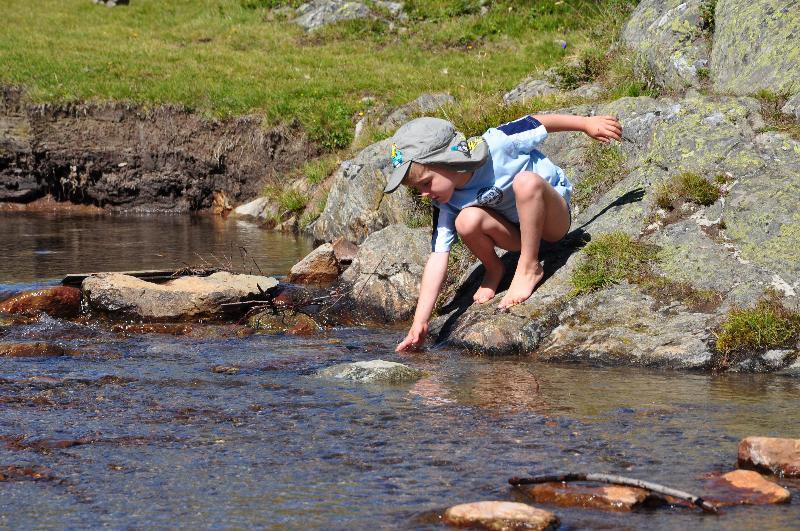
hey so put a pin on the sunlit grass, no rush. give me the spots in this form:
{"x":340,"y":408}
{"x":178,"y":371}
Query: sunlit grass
{"x":234,"y":57}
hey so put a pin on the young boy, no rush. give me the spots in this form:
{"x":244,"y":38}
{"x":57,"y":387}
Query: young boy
{"x":496,"y":190}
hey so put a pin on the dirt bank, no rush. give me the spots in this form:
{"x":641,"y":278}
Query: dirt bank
{"x":124,"y":157}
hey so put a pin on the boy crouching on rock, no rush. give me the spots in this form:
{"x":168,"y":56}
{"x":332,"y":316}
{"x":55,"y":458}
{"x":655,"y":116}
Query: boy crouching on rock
{"x":496,"y":190}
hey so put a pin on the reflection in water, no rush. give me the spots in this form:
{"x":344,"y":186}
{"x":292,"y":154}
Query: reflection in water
{"x":38,"y":246}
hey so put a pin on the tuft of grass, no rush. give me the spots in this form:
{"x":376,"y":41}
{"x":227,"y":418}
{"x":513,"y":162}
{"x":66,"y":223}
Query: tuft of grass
{"x":422,"y":213}
{"x":768,"y":325}
{"x":610,"y":258}
{"x":707,"y":16}
{"x":606,"y":168}
{"x":771,"y":105}
{"x":685,"y":187}
{"x":317,"y":170}
{"x":586,"y":67}
{"x":664,"y":290}
{"x":289,"y":200}
{"x":311,"y":214}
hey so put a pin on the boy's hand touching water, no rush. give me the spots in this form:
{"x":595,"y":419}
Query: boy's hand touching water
{"x":415,"y":337}
{"x":603,"y":128}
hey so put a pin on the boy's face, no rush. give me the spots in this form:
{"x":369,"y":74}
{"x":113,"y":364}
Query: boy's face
{"x":435,"y":182}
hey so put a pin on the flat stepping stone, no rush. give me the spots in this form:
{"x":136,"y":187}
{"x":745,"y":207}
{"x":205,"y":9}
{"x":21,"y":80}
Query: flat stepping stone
{"x":500,"y":515}
{"x":771,"y":454}
{"x":608,"y":497}
{"x":744,"y":487}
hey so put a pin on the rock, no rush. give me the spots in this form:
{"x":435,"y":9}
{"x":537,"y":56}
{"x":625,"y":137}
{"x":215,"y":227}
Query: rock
{"x":608,"y":497}
{"x":792,"y":107}
{"x":356,"y":205}
{"x":499,"y":515}
{"x":756,"y":46}
{"x":743,"y":487}
{"x":344,"y":251}
{"x":667,"y":36}
{"x":59,"y":301}
{"x":772,"y":455}
{"x":621,"y":325}
{"x":589,"y":91}
{"x":529,"y":88}
{"x":112,"y":3}
{"x":318,"y":13}
{"x":319,"y":267}
{"x":374,"y":371}
{"x":38,"y":349}
{"x":385,"y":274}
{"x":289,"y":322}
{"x":185,"y":297}
{"x":260,"y":208}
{"x":425,"y":103}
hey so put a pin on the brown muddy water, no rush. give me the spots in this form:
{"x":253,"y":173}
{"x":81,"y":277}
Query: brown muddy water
{"x":139,"y":431}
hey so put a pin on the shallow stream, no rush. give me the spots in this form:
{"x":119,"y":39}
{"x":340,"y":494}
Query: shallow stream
{"x":140,"y":431}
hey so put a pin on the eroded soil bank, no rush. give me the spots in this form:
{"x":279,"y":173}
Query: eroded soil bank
{"x":124,"y":157}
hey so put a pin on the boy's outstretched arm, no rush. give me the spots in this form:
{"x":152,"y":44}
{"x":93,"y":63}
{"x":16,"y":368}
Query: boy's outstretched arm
{"x":432,"y":280}
{"x":602,"y":128}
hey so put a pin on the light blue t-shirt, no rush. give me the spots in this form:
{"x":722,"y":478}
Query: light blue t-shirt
{"x":512,"y":149}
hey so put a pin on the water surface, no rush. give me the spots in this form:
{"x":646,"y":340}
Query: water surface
{"x":140,"y":431}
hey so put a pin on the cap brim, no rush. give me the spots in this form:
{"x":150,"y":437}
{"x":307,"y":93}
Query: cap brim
{"x":396,"y":178}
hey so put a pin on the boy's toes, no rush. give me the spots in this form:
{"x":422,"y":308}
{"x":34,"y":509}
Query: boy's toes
{"x":483,"y":295}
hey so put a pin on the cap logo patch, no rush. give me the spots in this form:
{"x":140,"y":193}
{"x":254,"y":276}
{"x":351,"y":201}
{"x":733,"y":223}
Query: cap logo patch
{"x":397,"y":156}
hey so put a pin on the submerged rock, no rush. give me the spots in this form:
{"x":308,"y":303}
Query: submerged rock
{"x":59,"y":301}
{"x":500,"y":515}
{"x":607,"y":497}
{"x":320,"y":266}
{"x":184,"y":297}
{"x":771,"y":454}
{"x":744,"y":487}
{"x":37,"y":349}
{"x":378,"y":371}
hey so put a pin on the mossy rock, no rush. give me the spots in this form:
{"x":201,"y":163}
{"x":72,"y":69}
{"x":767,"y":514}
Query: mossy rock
{"x":756,"y":46}
{"x":373,"y":371}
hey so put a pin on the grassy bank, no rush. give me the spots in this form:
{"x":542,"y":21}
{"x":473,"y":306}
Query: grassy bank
{"x":231,"y":57}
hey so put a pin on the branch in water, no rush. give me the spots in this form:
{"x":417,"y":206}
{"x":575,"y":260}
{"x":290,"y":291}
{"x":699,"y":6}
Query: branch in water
{"x":619,"y":480}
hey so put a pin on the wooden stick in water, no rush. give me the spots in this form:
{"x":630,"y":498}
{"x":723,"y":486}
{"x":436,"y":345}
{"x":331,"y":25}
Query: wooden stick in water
{"x":619,"y":480}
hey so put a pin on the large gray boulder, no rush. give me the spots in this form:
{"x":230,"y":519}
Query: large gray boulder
{"x":356,"y":205}
{"x":425,"y":103}
{"x":318,"y":13}
{"x":756,"y":46}
{"x":182,"y":298}
{"x":669,"y":41}
{"x":385,"y":274}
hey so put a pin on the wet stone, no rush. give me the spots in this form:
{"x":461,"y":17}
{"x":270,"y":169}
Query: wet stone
{"x":610,"y":497}
{"x":25,"y":473}
{"x":318,"y":267}
{"x":60,"y":301}
{"x":500,"y":515}
{"x":224,"y":369}
{"x":744,"y":487}
{"x":175,"y":329}
{"x":38,"y":349}
{"x":372,"y":371}
{"x":283,"y":322}
{"x":770,"y":454}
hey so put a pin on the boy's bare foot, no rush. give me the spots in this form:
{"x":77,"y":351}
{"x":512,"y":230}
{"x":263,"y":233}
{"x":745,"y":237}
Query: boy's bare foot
{"x":523,"y":284}
{"x":488,"y":289}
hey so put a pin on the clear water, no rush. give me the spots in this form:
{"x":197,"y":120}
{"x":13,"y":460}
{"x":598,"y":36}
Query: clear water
{"x":165,"y":441}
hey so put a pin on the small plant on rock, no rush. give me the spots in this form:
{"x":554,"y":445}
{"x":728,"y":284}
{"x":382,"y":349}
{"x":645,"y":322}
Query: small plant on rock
{"x":610,"y":258}
{"x":686,"y":187}
{"x":606,"y":168}
{"x":769,"y":325}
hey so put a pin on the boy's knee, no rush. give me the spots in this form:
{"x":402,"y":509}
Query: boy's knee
{"x":469,"y":220}
{"x":527,"y":183}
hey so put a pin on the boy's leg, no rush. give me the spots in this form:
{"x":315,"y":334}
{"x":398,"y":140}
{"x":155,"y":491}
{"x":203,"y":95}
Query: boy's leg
{"x":481,"y":230}
{"x":543,"y":215}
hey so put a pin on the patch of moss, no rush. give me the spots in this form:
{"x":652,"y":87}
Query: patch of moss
{"x":685,"y":187}
{"x":606,"y":168}
{"x":610,"y":258}
{"x":769,"y":325}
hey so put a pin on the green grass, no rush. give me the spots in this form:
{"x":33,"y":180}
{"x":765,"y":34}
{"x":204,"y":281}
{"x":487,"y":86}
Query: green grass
{"x":610,"y":258}
{"x":707,"y":16}
{"x":317,"y":170}
{"x":768,"y":325}
{"x":234,"y":57}
{"x":606,"y":168}
{"x":685,"y":187}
